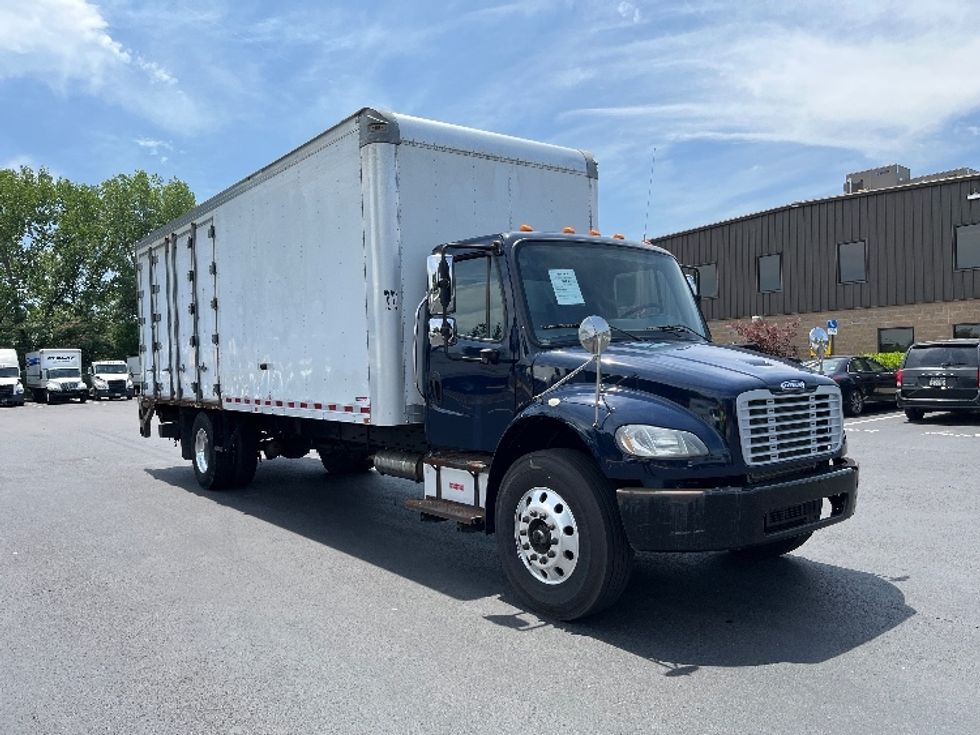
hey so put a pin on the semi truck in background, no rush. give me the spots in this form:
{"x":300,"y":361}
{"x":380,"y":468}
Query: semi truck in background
{"x":543,"y":383}
{"x":11,"y":388}
{"x":55,"y":375}
{"x":109,"y":379}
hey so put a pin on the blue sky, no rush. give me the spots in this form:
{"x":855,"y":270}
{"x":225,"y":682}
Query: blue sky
{"x":749,"y":105}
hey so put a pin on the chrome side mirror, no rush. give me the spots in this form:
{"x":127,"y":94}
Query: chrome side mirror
{"x":819,"y":339}
{"x":442,"y":331}
{"x":594,"y":334}
{"x":442,"y":292}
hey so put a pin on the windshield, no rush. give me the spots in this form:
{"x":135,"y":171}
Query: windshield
{"x":830,"y":364}
{"x":641,"y":293}
{"x":64,"y":373}
{"x":9,"y":372}
{"x":942,"y":356}
{"x":109,"y":369}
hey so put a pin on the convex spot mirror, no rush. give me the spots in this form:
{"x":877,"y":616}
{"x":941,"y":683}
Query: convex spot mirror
{"x":442,"y":292}
{"x":594,"y":334}
{"x":442,"y":331}
{"x":819,"y":339}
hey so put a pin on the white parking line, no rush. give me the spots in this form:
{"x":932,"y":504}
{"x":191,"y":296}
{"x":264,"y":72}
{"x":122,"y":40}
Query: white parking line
{"x":896,"y":415}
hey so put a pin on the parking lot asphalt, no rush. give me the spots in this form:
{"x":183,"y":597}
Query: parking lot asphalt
{"x":133,"y":602}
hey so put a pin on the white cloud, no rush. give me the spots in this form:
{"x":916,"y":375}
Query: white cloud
{"x":67,"y":45}
{"x":154,"y":146}
{"x":879,"y":78}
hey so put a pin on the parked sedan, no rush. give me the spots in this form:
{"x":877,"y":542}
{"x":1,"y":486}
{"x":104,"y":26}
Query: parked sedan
{"x":861,"y":379}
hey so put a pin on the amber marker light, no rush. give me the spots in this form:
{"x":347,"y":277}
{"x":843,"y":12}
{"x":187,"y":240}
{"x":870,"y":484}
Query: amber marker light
{"x":594,"y":233}
{"x":526,"y":228}
{"x":619,"y":236}
{"x":568,"y":230}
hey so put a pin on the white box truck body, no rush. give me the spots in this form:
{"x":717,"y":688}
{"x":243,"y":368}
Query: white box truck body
{"x":135,"y":367}
{"x":294,"y":291}
{"x":55,"y":375}
{"x":11,"y":388}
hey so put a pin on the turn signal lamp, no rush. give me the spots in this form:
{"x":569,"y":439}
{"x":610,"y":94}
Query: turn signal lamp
{"x":619,"y":236}
{"x":898,"y":379}
{"x":526,"y":228}
{"x":568,"y":230}
{"x":594,"y":232}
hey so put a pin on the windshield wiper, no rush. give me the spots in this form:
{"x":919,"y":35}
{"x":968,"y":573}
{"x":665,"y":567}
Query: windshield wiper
{"x":576,"y":326}
{"x":676,"y":329}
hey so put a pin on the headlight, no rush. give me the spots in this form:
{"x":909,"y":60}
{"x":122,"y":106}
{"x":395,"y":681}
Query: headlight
{"x":54,"y":386}
{"x":129,"y":382}
{"x":18,"y":389}
{"x":99,"y":383}
{"x":80,"y":385}
{"x":641,"y":440}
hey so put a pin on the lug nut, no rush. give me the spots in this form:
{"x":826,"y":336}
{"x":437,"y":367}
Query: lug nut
{"x":525,"y":519}
{"x":551,"y":526}
{"x":523,"y":532}
{"x":551,"y":553}
{"x":554,"y":542}
{"x":534,"y":557}
{"x":526,"y":546}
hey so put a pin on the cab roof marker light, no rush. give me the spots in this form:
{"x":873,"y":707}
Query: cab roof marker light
{"x":568,"y":230}
{"x":526,"y":228}
{"x":619,"y":236}
{"x":594,"y":232}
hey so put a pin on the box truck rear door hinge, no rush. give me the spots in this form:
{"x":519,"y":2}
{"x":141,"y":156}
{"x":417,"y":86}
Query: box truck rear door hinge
{"x":211,"y":232}
{"x":214,"y":303}
{"x":213,"y":268}
{"x":214,"y":338}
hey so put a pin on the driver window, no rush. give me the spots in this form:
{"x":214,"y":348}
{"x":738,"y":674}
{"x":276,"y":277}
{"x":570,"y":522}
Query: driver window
{"x":479,"y":299}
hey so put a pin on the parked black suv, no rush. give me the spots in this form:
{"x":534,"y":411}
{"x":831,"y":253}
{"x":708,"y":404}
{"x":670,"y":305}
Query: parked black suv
{"x":939,"y":376}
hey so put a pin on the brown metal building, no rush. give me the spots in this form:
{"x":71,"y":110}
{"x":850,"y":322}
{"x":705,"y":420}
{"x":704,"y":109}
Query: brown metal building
{"x":891,"y":265}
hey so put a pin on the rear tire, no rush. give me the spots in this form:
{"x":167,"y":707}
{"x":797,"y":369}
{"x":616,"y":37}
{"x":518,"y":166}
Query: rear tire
{"x":914,"y":414}
{"x":580,"y":561}
{"x":772,"y":549}
{"x":213,"y":469}
{"x":854,"y":402}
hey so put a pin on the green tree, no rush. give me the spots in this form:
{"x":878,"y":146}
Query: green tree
{"x":67,"y":272}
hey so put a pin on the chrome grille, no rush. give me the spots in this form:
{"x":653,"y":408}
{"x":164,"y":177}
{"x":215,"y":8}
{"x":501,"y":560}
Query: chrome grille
{"x":778,"y":427}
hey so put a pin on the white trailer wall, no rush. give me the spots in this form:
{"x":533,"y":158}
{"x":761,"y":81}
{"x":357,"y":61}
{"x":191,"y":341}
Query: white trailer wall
{"x":319,"y":263}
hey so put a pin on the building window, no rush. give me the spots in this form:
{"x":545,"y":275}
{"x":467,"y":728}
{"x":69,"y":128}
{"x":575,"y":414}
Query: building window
{"x":709,"y":280}
{"x":771,"y":273}
{"x":895,"y":339}
{"x":852,"y":262}
{"x":968,"y":247}
{"x":966,"y":331}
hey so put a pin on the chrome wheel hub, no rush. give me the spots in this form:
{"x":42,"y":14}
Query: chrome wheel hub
{"x":201,"y":451}
{"x":546,"y":535}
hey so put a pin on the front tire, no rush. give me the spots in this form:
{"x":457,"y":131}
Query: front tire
{"x":559,"y":535}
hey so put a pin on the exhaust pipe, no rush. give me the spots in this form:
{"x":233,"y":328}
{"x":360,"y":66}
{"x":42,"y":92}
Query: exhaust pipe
{"x":406,"y":465}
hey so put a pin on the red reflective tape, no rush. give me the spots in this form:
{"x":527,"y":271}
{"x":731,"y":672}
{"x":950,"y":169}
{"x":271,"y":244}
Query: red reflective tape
{"x":291,"y":404}
{"x":248,"y":400}
{"x":365,"y":409}
{"x":317,"y":406}
{"x":303,"y":404}
{"x":238,"y":400}
{"x":268,"y":403}
{"x":349,"y":409}
{"x":279,"y":403}
{"x":332,"y":407}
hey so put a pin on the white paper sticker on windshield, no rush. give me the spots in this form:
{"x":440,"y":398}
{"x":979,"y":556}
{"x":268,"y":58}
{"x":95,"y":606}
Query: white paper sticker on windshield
{"x":566,"y":287}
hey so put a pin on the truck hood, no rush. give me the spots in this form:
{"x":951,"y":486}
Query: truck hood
{"x":9,"y":381}
{"x":667,"y":367}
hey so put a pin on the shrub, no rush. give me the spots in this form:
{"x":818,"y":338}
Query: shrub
{"x":770,"y":337}
{"x":891,"y":360}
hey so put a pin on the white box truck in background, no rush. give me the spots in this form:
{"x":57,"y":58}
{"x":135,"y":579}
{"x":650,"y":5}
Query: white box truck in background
{"x":375,"y":296}
{"x":11,"y":389}
{"x":55,"y":375}
{"x":109,"y":379}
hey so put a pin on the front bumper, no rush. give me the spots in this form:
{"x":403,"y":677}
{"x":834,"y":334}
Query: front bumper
{"x":67,"y":395}
{"x":722,"y":518}
{"x":112,"y":393}
{"x":15,"y":400}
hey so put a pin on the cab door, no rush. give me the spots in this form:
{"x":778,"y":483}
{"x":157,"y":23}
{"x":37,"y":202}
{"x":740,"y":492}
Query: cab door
{"x":470,"y":397}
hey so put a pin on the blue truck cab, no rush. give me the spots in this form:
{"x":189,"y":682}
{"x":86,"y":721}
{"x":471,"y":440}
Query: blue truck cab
{"x":574,"y":379}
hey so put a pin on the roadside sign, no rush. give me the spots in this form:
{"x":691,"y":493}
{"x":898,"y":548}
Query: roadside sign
{"x":832,"y":331}
{"x":831,"y":324}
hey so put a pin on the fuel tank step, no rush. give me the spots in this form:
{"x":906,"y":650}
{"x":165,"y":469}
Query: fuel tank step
{"x":447,"y":510}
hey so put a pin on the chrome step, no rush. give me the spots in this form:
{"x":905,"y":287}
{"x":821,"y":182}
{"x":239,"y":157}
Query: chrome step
{"x":447,"y":510}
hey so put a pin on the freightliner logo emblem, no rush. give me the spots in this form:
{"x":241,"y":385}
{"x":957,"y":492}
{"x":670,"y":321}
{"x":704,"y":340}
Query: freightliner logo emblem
{"x":792,"y":385}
